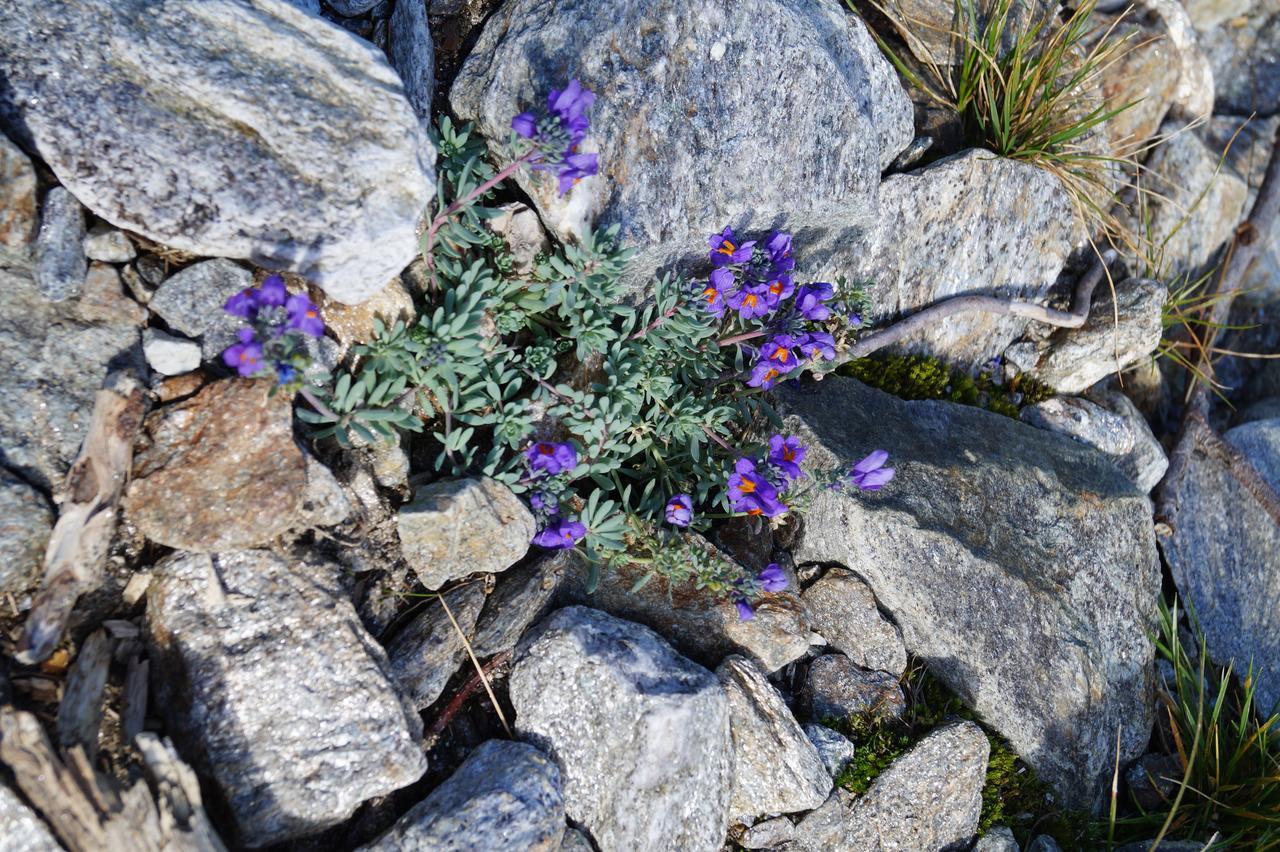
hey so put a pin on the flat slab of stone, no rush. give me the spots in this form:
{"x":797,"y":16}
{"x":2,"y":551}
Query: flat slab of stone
{"x":1019,"y":564}
{"x":272,"y":685}
{"x":231,"y":129}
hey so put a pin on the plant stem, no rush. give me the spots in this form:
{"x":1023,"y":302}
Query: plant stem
{"x":320,"y":407}
{"x":738,"y":338}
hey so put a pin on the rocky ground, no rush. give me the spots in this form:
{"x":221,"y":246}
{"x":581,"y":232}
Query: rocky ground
{"x":217,"y":633}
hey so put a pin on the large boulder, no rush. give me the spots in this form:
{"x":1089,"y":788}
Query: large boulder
{"x":1019,"y":564}
{"x":272,"y":685}
{"x":1222,"y":548}
{"x":708,"y":112}
{"x":233,"y":128}
{"x":640,"y":734}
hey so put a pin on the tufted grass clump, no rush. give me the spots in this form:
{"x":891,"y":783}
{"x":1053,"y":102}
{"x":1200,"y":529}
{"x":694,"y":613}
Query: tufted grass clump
{"x":914,"y":377}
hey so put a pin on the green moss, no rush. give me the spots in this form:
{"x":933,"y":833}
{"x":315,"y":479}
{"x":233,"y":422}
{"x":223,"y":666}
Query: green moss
{"x":927,"y":377}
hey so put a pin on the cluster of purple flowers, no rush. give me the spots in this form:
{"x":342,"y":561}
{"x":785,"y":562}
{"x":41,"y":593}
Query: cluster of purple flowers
{"x":557,"y":136}
{"x":275,"y":339}
{"x":546,"y":460}
{"x":756,"y":487}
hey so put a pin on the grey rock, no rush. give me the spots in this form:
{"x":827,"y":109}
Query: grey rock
{"x":1246,"y":143}
{"x":1116,"y":335}
{"x":1153,"y":780}
{"x":1222,"y":550}
{"x":770,"y":834}
{"x":60,"y":264}
{"x":672,"y":166}
{"x":459,"y":527}
{"x":1243,"y":55}
{"x":834,"y":749}
{"x":703,"y":627}
{"x":523,"y":234}
{"x":25,"y":522}
{"x":328,"y":176}
{"x":575,"y":841}
{"x":997,"y":839}
{"x":191,"y":301}
{"x":1207,"y":14}
{"x":927,"y":26}
{"x":521,"y":597}
{"x":991,"y":526}
{"x":351,"y":8}
{"x":389,"y":464}
{"x":1117,"y":429}
{"x":1044,"y":843}
{"x":836,"y":688}
{"x":641,"y":734}
{"x":843,"y":609}
{"x":777,"y":770}
{"x":53,"y":359}
{"x":413,"y":55}
{"x":20,"y":829}
{"x":1263,"y":409}
{"x":169,"y":355}
{"x":427,"y":651}
{"x":1146,"y":463}
{"x":1165,"y":846}
{"x":19,"y":221}
{"x":930,"y":798}
{"x":505,"y":795}
{"x":108,"y":244}
{"x":324,"y":504}
{"x":276,"y":691}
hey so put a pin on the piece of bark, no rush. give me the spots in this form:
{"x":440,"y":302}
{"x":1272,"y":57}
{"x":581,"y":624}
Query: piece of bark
{"x":135,"y":698}
{"x":87,"y":517}
{"x":80,"y":713}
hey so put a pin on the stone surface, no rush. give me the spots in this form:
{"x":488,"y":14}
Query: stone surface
{"x":1118,"y":333}
{"x":930,"y":798}
{"x":218,"y":471}
{"x":680,"y":112}
{"x":1153,"y":780}
{"x":191,"y":301}
{"x":1207,"y":14}
{"x":20,"y":829}
{"x":1222,"y":555}
{"x":1110,"y":423}
{"x":274,"y":688}
{"x":641,"y":734}
{"x":776,"y":768}
{"x":997,"y":839}
{"x":835,"y":688}
{"x":928,"y":26}
{"x":104,"y":298}
{"x":1171,"y":21}
{"x":970,"y":223}
{"x":352,"y":324}
{"x":523,"y":235}
{"x":834,"y":749}
{"x":575,"y":841}
{"x":521,"y":597}
{"x":427,"y":651}
{"x":505,"y":795}
{"x":843,"y":609}
{"x":53,"y":359}
{"x":768,"y":834}
{"x":25,"y":522}
{"x":1243,"y":53}
{"x":169,"y":355}
{"x":413,"y":55}
{"x":328,"y":176}
{"x":700,"y":626}
{"x":108,"y":244}
{"x":60,"y":264}
{"x":19,"y":220}
{"x":1045,"y":843}
{"x":1007,"y":555}
{"x":324,"y":503}
{"x":458,"y":527}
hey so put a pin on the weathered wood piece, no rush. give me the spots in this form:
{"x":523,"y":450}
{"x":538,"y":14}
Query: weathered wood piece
{"x":80,"y":713}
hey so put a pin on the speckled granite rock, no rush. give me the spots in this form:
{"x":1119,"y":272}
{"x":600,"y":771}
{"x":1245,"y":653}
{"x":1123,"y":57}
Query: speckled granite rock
{"x":25,"y":521}
{"x":505,"y":795}
{"x":458,"y":527}
{"x":1007,"y":555}
{"x":930,"y":798}
{"x":60,"y":263}
{"x":326,"y":180}
{"x":218,"y":471}
{"x":168,"y":354}
{"x":352,"y":324}
{"x":108,"y":244}
{"x":997,"y":839}
{"x":427,"y":650}
{"x":20,"y":829}
{"x":191,"y":302}
{"x":19,"y":220}
{"x":521,"y":597}
{"x":842,"y":608}
{"x":1109,"y":422}
{"x":835,"y":750}
{"x":683,"y":105}
{"x":641,"y":735}
{"x":276,"y":691}
{"x":413,"y":54}
{"x":1243,"y":54}
{"x":835,"y":688}
{"x":776,"y":768}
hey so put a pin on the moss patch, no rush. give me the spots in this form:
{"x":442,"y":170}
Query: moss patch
{"x":927,"y":377}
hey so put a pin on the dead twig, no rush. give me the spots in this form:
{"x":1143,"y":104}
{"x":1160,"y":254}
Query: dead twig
{"x":494,"y":667}
{"x":484,"y":680}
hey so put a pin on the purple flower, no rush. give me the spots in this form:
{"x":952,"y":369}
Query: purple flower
{"x":570,"y":106}
{"x":751,"y":493}
{"x":713,"y":296}
{"x":541,"y":501}
{"x":818,"y":344}
{"x":725,"y":249}
{"x":750,"y":303}
{"x":680,"y":510}
{"x":745,"y":612}
{"x":245,"y":356}
{"x":773,"y":578}
{"x":304,"y":316}
{"x":778,"y":288}
{"x":285,"y":373}
{"x":763,"y":374}
{"x":786,"y":453}
{"x":855,"y":319}
{"x":810,"y":299}
{"x":549,"y":458}
{"x":575,"y":168}
{"x":242,"y":304}
{"x":526,"y":124}
{"x":779,"y":248}
{"x":560,"y":534}
{"x":870,"y":474}
{"x":778,"y":349}
{"x":272,"y":292}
